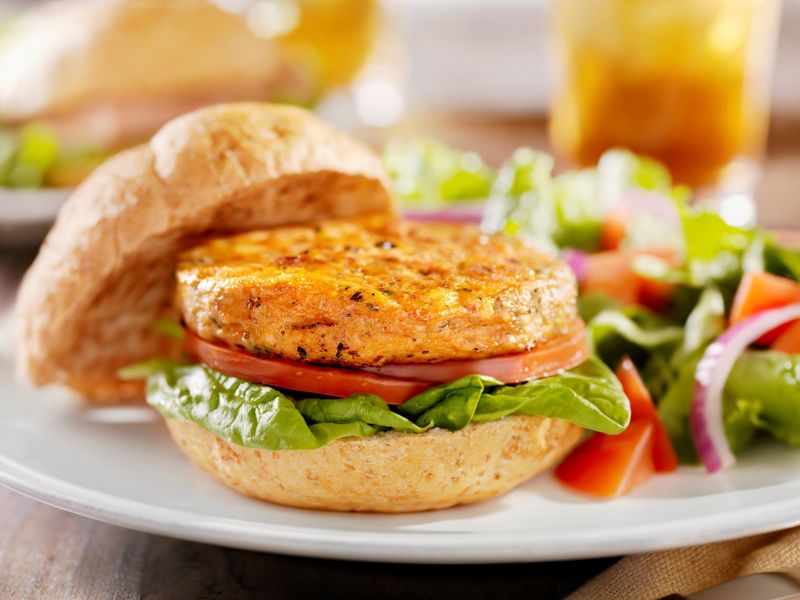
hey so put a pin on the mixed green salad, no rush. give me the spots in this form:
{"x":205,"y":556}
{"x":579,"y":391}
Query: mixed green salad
{"x":662,"y":281}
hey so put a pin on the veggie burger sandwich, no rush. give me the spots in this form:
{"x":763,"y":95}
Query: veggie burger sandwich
{"x":323,"y":352}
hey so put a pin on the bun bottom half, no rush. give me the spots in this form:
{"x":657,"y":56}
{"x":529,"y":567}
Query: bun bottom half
{"x":388,"y":472}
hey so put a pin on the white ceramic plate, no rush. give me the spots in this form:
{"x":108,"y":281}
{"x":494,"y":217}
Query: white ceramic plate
{"x":119,"y":466}
{"x":26,"y":215}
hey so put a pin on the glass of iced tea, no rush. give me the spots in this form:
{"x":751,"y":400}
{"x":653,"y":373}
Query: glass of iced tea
{"x":683,"y":81}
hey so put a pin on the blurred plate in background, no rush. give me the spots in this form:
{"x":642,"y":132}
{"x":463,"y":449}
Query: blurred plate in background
{"x":27,"y":214}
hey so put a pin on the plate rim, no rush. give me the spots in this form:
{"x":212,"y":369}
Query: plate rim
{"x":414,"y":547}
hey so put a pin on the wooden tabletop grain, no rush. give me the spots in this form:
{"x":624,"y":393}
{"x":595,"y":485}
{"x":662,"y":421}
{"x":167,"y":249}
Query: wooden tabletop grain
{"x":50,"y":554}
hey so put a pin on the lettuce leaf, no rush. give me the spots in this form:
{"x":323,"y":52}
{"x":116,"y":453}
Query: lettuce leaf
{"x":258,"y":416}
{"x":550,"y":212}
{"x":781,"y":260}
{"x":367,"y":408}
{"x":568,"y":209}
{"x":588,"y":395}
{"x":762,"y":394}
{"x":768,"y":383}
{"x":34,"y":153}
{"x":424,"y":172}
{"x":243,"y":413}
{"x":631,"y":330}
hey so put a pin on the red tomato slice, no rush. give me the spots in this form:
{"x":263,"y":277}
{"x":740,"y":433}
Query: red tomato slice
{"x":564,"y":352}
{"x":610,"y":466}
{"x":315,"y":379}
{"x":761,"y":291}
{"x":394,"y":383}
{"x":789,"y":340}
{"x":642,"y":407}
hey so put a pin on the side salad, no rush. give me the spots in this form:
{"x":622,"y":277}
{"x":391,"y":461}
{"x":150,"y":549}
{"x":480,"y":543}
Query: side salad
{"x":700,"y":318}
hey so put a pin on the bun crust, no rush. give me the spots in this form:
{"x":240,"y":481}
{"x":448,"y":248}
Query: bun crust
{"x":67,"y":53}
{"x":105,"y":272}
{"x":388,"y":472}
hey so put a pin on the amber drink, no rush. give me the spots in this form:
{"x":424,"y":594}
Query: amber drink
{"x":684,"y":81}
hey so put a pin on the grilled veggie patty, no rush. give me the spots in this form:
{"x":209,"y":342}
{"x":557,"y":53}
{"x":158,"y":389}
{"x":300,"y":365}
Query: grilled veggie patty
{"x":373,"y":291}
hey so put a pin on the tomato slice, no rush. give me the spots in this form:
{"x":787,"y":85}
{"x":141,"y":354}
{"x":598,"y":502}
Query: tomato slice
{"x":761,"y":291}
{"x":394,"y":383}
{"x":564,"y":352}
{"x":315,"y":379}
{"x":609,"y":466}
{"x":642,"y":407}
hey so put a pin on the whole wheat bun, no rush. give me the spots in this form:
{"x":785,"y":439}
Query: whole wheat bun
{"x":387,"y":472}
{"x":104,"y":275}
{"x":68,"y":53}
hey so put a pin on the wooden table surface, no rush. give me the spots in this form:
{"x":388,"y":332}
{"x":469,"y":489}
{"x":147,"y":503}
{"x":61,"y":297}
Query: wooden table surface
{"x":50,"y":554}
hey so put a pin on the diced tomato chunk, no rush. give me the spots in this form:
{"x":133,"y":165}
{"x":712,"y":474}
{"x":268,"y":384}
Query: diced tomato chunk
{"x":761,"y":291}
{"x":642,"y":407}
{"x":609,"y":466}
{"x":612,"y":273}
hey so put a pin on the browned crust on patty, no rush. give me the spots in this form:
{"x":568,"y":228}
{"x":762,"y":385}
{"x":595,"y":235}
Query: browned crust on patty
{"x":375,"y":291}
{"x":388,"y":472}
{"x":105,"y":273}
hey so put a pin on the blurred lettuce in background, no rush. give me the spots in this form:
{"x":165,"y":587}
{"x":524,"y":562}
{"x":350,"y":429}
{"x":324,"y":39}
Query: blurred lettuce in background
{"x":569,"y":209}
{"x":525,"y":197}
{"x":32,"y":157}
{"x":28,"y":156}
{"x":427,"y":173}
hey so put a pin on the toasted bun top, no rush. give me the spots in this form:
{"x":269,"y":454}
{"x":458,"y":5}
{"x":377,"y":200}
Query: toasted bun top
{"x":67,"y":53}
{"x":105,"y":272}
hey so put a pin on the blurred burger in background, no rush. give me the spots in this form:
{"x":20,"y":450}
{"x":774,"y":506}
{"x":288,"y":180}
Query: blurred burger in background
{"x":83,"y":79}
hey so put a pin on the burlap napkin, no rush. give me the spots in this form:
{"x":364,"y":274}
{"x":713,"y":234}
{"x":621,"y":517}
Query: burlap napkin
{"x":687,"y":570}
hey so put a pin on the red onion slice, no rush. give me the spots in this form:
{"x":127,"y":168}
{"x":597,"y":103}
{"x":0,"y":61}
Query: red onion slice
{"x":578,"y":261}
{"x":706,"y":422}
{"x":653,"y":203}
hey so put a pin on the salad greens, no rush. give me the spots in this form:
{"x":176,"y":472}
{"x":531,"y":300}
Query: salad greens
{"x":424,"y":172}
{"x":258,"y":416}
{"x":762,"y":394}
{"x":568,"y":210}
{"x":32,"y":158}
{"x":25,"y":158}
